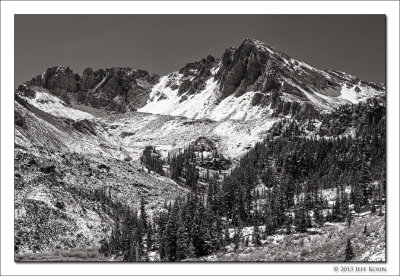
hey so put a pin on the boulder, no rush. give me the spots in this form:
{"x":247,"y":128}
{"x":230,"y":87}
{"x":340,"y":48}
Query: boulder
{"x":47,"y":169}
{"x":19,"y":120}
{"x":60,"y":205}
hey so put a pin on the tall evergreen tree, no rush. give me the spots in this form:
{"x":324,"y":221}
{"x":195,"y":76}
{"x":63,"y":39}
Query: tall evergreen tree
{"x":349,"y":251}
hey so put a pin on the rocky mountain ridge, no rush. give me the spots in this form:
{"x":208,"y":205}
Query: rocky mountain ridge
{"x":253,"y":78}
{"x":115,"y":89}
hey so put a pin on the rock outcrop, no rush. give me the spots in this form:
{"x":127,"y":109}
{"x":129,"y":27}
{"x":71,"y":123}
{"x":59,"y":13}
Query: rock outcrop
{"x":116,"y":89}
{"x":59,"y":78}
{"x":281,"y":81}
{"x":241,"y":68}
{"x":195,"y":75}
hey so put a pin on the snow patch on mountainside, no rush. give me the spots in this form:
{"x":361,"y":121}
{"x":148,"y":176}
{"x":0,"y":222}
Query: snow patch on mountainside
{"x":347,"y":95}
{"x":318,"y":101}
{"x":198,"y":105}
{"x":350,"y":94}
{"x":165,"y":101}
{"x":202,"y":105}
{"x":133,"y":131}
{"x":238,"y":108}
{"x":46,"y":131}
{"x":239,"y":136}
{"x":55,"y":106}
{"x":162,"y":97}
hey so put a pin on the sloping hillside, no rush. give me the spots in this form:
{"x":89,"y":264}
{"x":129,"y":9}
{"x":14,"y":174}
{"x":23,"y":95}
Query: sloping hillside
{"x":60,"y":165}
{"x":328,"y":244}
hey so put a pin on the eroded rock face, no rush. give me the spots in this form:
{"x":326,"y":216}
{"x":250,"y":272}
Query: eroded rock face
{"x":282,"y":81}
{"x":19,"y":120}
{"x":26,"y":91}
{"x":241,"y":68}
{"x":91,"y":78}
{"x":116,"y":89}
{"x":195,"y":75}
{"x":57,"y":78}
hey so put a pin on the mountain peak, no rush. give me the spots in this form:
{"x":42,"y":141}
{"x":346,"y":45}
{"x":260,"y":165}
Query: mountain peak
{"x":59,"y":77}
{"x":61,"y":68}
{"x":253,"y":42}
{"x":258,"y":44}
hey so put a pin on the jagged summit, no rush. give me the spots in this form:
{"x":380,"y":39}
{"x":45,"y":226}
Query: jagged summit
{"x":117,"y":89}
{"x":254,"y":80}
{"x":57,"y":78}
{"x":256,"y":43}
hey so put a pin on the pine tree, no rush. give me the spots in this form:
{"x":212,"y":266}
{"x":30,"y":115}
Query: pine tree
{"x":349,"y":218}
{"x":289,"y":222}
{"x":182,"y":243}
{"x":237,"y":238}
{"x":143,"y":215}
{"x":373,"y":208}
{"x":150,"y":238}
{"x":191,"y":253}
{"x":319,"y":216}
{"x":171,"y":235}
{"x":208,"y":244}
{"x":146,"y":257}
{"x":380,"y":193}
{"x":256,"y":239}
{"x":227,"y":237}
{"x":198,"y":231}
{"x":349,"y":251}
{"x":301,"y":218}
{"x":138,"y":256}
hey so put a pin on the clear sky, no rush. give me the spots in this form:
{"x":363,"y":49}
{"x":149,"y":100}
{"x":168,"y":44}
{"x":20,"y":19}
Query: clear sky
{"x":165,"y":43}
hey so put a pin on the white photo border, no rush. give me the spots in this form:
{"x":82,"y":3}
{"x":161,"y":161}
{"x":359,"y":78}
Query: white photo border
{"x":8,"y":9}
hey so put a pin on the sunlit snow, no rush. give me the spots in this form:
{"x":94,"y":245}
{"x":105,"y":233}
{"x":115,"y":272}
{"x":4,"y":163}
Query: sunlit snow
{"x":55,"y":106}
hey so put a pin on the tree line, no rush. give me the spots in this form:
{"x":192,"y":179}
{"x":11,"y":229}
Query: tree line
{"x":278,"y":184}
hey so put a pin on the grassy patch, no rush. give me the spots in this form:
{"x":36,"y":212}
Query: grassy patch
{"x":60,"y":255}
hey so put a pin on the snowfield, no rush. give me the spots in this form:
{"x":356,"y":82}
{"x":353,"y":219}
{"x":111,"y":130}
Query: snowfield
{"x":57,"y":107}
{"x":202,"y":105}
{"x":350,"y":95}
{"x":134,"y":131}
{"x":206,"y":103}
{"x":125,"y":135}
